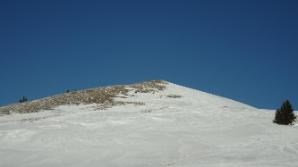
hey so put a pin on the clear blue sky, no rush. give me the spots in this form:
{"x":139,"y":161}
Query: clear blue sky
{"x":244,"y":50}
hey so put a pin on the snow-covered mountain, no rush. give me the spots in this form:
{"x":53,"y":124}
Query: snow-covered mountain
{"x":155,"y":123}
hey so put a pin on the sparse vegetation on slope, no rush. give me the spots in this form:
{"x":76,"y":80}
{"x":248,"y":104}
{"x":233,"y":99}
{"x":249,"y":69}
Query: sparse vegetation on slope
{"x":103,"y":96}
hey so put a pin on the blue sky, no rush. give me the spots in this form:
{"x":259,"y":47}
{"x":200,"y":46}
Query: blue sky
{"x":244,"y":50}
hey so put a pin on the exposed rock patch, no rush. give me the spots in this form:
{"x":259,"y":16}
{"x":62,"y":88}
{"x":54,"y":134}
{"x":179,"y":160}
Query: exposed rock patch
{"x":174,"y":96}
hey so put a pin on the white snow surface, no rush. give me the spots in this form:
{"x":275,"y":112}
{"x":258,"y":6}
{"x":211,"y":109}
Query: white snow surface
{"x":197,"y":129}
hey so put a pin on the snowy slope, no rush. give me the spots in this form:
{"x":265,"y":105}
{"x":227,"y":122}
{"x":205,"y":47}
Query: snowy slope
{"x":175,"y":127}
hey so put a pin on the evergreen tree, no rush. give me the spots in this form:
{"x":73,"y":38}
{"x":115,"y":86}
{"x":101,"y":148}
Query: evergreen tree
{"x":285,"y":115}
{"x":23,"y":99}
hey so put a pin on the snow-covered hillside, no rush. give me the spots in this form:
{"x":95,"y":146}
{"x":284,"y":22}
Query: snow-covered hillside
{"x":175,"y":126}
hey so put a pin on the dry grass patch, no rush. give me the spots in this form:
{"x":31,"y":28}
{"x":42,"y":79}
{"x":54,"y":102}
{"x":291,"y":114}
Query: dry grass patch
{"x":102,"y":96}
{"x":149,"y":86}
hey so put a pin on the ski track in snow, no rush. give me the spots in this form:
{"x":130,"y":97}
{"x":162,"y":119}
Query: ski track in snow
{"x":197,"y":129}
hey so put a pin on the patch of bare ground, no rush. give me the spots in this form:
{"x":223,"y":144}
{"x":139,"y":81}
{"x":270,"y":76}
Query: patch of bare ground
{"x":174,"y":96}
{"x":149,"y":86}
{"x":104,"y":97}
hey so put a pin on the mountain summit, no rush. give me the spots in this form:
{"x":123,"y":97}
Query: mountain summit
{"x":104,"y":97}
{"x":154,"y":123}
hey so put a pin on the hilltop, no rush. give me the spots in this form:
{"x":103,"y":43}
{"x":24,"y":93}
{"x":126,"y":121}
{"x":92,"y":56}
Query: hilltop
{"x":153,"y":123}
